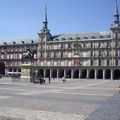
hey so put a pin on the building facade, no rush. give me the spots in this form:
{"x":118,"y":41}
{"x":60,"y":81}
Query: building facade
{"x":81,"y":56}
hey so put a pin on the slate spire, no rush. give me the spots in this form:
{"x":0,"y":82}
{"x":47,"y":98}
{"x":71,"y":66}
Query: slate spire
{"x":45,"y":22}
{"x":116,"y":14}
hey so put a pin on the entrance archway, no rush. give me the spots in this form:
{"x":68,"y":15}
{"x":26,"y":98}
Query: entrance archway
{"x":92,"y":74}
{"x":76,"y":73}
{"x":108,"y":74}
{"x":41,"y":72}
{"x":100,"y":74}
{"x":61,"y":73}
{"x":84,"y":74}
{"x":54,"y":73}
{"x":68,"y":73}
{"x":2,"y":68}
{"x":116,"y":74}
{"x":47,"y":74}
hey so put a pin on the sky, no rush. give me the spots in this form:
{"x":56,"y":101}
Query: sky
{"x":22,"y":19}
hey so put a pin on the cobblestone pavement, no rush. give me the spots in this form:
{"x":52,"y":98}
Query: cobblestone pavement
{"x":75,"y":100}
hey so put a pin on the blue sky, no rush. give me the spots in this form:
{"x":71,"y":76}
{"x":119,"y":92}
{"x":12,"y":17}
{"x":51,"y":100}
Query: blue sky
{"x":22,"y":19}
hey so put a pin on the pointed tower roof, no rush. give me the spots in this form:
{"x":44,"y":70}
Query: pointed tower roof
{"x":116,"y":14}
{"x":45,"y":22}
{"x":116,"y":9}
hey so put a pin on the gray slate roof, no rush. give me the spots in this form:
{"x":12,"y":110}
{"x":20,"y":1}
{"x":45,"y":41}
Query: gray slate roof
{"x":90,"y":35}
{"x":63,"y":37}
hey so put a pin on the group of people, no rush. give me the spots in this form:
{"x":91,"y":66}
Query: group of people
{"x":41,"y":80}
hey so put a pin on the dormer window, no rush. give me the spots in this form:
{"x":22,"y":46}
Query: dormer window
{"x":14,"y":42}
{"x":32,"y":41}
{"x":108,"y":36}
{"x":78,"y":38}
{"x":70,"y":38}
{"x":56,"y":39}
{"x":63,"y":38}
{"x":92,"y":37}
{"x":23,"y":42}
{"x":5,"y":43}
{"x":101,"y":36}
{"x":85,"y":37}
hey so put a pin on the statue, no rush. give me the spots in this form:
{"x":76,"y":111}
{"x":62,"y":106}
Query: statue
{"x":29,"y":55}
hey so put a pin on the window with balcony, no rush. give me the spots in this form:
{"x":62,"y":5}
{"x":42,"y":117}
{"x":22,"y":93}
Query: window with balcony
{"x":116,"y":62}
{"x":108,"y":53}
{"x":100,"y":53}
{"x":108,"y":62}
{"x":99,"y":62}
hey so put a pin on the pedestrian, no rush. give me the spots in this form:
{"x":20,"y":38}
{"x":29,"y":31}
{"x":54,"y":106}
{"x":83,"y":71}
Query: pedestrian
{"x":63,"y":79}
{"x":49,"y":79}
{"x":40,"y":79}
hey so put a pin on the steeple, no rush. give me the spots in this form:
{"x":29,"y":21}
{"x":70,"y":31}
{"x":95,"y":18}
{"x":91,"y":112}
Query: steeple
{"x":116,"y":15}
{"x":44,"y":33}
{"x":45,"y":22}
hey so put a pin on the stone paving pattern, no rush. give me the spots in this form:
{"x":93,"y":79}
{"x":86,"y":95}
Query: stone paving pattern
{"x":110,"y":110}
{"x":75,"y":100}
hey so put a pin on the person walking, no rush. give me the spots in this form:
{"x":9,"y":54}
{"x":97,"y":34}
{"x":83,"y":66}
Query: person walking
{"x":63,"y":79}
{"x":49,"y":79}
{"x":40,"y":79}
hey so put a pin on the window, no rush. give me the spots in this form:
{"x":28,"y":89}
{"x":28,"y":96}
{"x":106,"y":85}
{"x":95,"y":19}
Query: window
{"x":108,"y":53}
{"x":91,"y":45}
{"x":7,"y":56}
{"x":20,"y":56}
{"x":48,"y":55}
{"x":108,"y":45}
{"x":85,"y":37}
{"x":70,"y":38}
{"x":116,"y":62}
{"x":41,"y":55}
{"x":62,"y":46}
{"x":2,"y":49}
{"x":101,"y":36}
{"x":99,"y":62}
{"x":100,"y":53}
{"x":63,"y":38}
{"x":2,"y":56}
{"x":15,"y":56}
{"x":99,"y":45}
{"x":91,"y":62}
{"x":15,"y":70}
{"x":116,"y":53}
{"x":92,"y":37}
{"x":61,"y":54}
{"x":108,"y":62}
{"x":78,"y":38}
{"x":19,"y":70}
{"x":91,"y":53}
{"x":69,"y":46}
{"x":116,"y":44}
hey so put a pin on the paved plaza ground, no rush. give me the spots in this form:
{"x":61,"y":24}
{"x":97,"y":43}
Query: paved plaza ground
{"x":73,"y":100}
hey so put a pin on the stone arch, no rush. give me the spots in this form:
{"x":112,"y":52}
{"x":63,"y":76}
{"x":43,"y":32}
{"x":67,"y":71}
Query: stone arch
{"x":2,"y":68}
{"x":68,"y":73}
{"x":54,"y":73}
{"x":100,"y":74}
{"x":61,"y":73}
{"x":47,"y":74}
{"x":108,"y":74}
{"x":92,"y":74}
{"x":76,"y":73}
{"x":41,"y":72}
{"x":116,"y":74}
{"x":84,"y":74}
